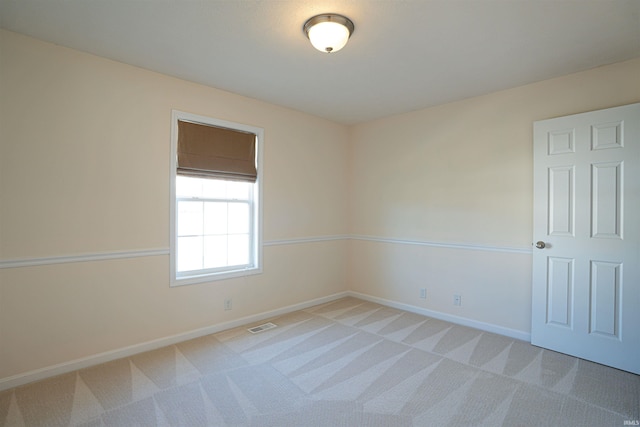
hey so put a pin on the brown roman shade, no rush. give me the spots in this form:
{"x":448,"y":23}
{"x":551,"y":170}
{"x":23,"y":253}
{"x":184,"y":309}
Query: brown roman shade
{"x":214,"y":152}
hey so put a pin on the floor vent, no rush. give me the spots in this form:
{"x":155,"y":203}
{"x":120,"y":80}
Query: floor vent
{"x":261,"y":328}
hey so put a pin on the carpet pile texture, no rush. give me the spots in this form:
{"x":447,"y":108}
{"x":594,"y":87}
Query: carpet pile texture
{"x":345,"y":363}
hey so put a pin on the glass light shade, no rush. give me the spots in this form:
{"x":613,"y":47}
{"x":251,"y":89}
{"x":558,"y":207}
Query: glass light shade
{"x":328,"y":36}
{"x":328,"y":32}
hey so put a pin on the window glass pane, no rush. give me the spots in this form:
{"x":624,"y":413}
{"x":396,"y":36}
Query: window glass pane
{"x":215,"y":251}
{"x":190,"y":218}
{"x":239,"y":249}
{"x":238,"y":218}
{"x":215,"y":218}
{"x":214,"y":189}
{"x":188,"y":187}
{"x":215,"y":224}
{"x":189,"y":253}
{"x":238,"y":190}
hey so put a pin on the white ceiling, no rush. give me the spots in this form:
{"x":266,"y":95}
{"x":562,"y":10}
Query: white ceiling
{"x":404,"y":55}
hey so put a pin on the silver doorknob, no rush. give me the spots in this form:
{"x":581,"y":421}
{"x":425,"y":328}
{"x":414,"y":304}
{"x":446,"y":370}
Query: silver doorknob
{"x":540,"y":245}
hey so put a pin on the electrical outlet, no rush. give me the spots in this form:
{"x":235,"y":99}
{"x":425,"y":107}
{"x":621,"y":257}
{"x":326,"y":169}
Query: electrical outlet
{"x":457,"y":300}
{"x":228,"y":304}
{"x":423,"y":293}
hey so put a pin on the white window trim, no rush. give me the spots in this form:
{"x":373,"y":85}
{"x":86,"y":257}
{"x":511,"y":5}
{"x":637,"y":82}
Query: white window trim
{"x":257,"y":195}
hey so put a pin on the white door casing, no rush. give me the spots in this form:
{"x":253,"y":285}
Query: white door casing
{"x":586,"y":278}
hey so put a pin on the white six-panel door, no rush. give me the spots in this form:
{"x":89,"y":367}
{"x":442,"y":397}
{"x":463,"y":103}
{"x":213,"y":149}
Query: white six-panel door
{"x":586,"y":265}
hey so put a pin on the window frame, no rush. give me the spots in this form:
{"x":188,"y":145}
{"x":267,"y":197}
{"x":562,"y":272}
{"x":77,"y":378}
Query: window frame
{"x":207,"y":275}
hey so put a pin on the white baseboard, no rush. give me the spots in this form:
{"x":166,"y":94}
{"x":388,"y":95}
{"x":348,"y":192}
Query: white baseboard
{"x":73,"y":365}
{"x":500,"y":330}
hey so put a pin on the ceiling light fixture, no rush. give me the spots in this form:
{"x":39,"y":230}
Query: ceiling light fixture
{"x":328,"y":32}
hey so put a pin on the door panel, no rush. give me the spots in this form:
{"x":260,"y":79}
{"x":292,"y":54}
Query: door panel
{"x":560,"y":291}
{"x":605,"y":299}
{"x":606,"y":200}
{"x":586,"y":278}
{"x":561,"y":202}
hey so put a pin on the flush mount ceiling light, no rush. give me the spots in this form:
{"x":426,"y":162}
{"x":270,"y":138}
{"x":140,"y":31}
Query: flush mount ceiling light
{"x":328,"y":32}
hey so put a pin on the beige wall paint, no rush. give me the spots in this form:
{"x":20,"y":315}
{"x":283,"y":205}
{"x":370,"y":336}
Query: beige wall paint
{"x":461,"y":174}
{"x":495,"y":286}
{"x":93,"y":135}
{"x":84,"y":166}
{"x":454,"y":174}
{"x":58,"y":313}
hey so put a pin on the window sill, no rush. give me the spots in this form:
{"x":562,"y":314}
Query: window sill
{"x":213,"y":277}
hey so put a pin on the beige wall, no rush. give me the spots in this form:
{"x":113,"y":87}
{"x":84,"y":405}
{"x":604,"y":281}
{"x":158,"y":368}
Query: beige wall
{"x":84,"y":169}
{"x":84,"y":166}
{"x":461,"y":174}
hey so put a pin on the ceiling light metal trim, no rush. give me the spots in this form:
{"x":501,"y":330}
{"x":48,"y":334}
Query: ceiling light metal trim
{"x":333,"y":18}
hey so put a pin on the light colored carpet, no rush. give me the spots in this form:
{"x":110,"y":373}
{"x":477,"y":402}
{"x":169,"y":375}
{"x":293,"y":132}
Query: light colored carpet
{"x":345,"y":363}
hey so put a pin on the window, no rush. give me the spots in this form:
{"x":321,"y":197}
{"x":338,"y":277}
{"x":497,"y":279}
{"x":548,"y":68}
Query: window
{"x":215,"y":199}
